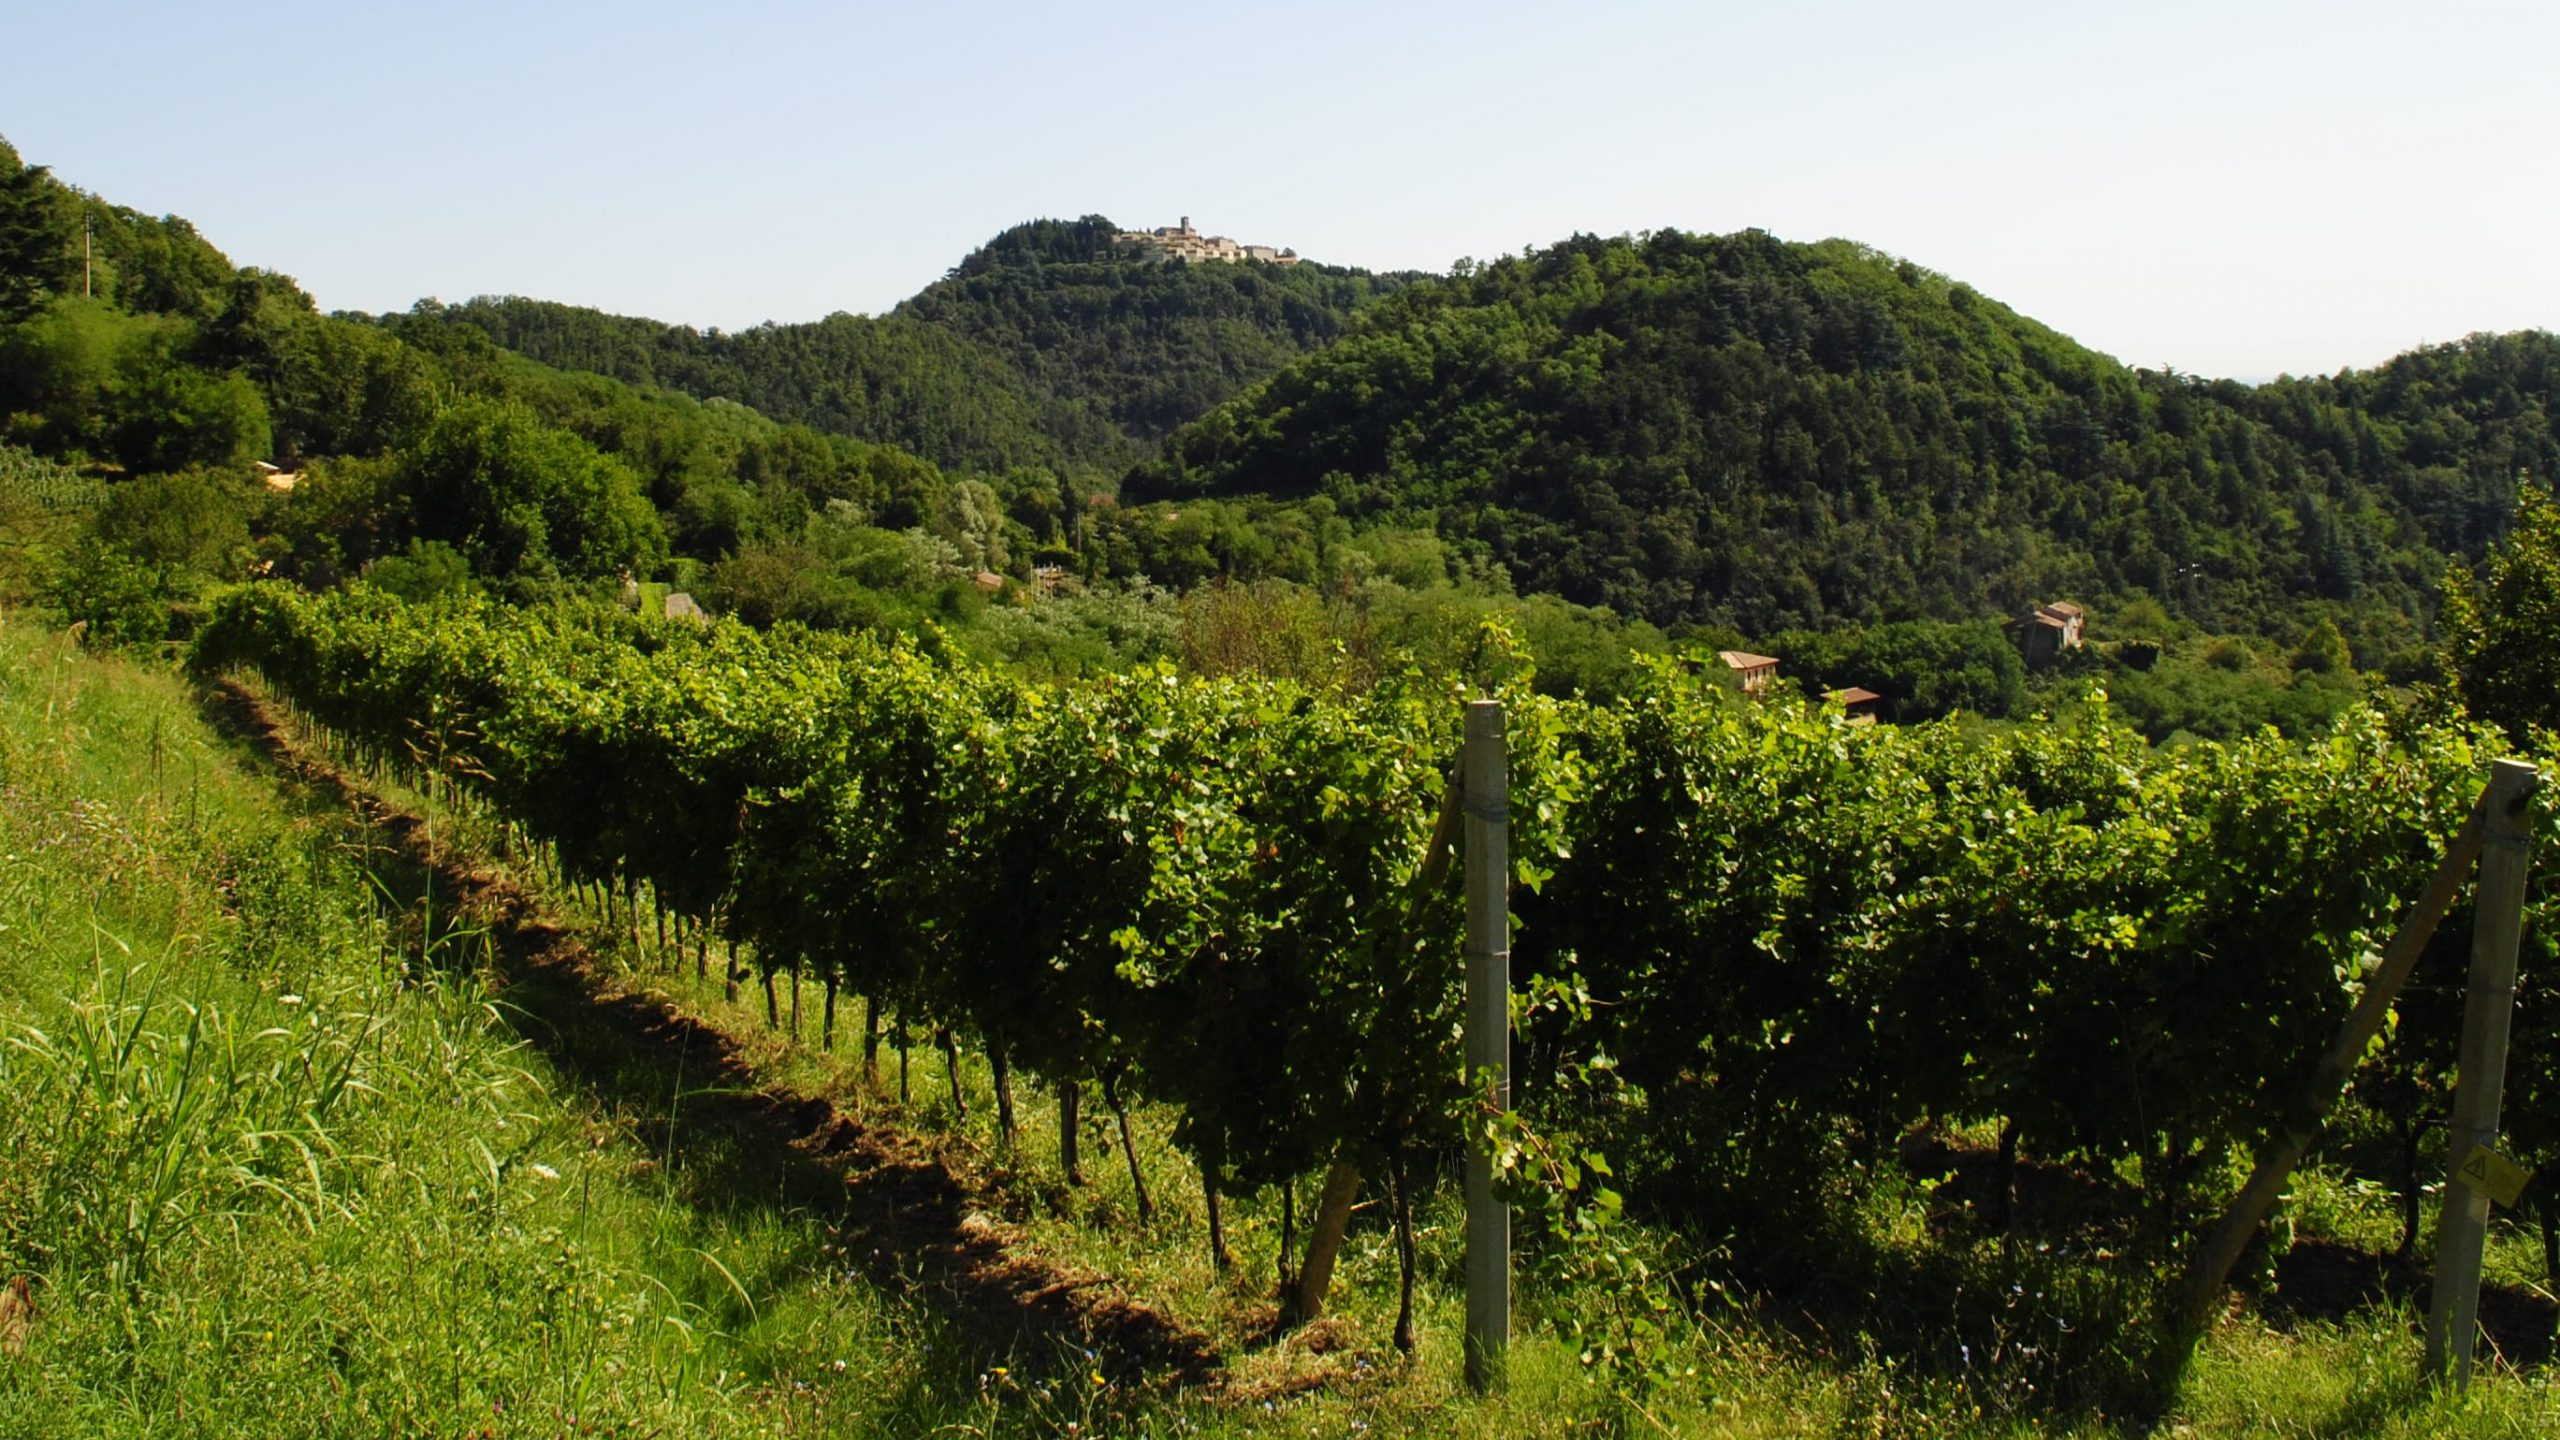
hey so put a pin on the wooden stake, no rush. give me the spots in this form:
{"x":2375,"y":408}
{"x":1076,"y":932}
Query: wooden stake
{"x":1488,"y":1038}
{"x":1288,"y":1237}
{"x":1069,"y":1153}
{"x":1219,"y":1259}
{"x":1324,"y":1244}
{"x":1305,"y":1296}
{"x":951,"y":1067}
{"x":1400,"y":1191}
{"x":2222,"y":1249}
{"x":1128,"y":1148}
{"x":1001,"y":1068}
{"x":2497,"y":929}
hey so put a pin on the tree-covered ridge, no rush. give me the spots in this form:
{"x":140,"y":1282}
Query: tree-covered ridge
{"x":423,"y":454}
{"x":158,"y":367}
{"x":1740,"y":429}
{"x":1150,"y":343}
{"x":137,"y":262}
{"x":2446,"y":430}
{"x":885,"y":379}
{"x":1044,"y":347}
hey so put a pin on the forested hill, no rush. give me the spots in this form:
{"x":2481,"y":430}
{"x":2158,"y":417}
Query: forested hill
{"x":146,"y":357}
{"x":1151,"y":344}
{"x":886,"y":379}
{"x":1740,"y":429}
{"x":1043,"y":347}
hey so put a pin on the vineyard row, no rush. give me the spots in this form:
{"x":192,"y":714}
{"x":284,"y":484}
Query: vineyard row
{"x":1752,"y":939}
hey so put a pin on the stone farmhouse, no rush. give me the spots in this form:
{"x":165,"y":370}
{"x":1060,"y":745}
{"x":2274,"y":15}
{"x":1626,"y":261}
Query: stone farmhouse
{"x":1754,"y":672}
{"x":1858,"y":702}
{"x":1181,"y":242}
{"x":2048,"y":630}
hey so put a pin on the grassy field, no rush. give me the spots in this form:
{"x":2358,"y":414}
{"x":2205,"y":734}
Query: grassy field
{"x":288,"y":1158}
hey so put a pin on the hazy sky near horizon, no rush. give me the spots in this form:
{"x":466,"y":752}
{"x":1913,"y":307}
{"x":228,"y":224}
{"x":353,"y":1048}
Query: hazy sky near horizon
{"x":2230,"y":189}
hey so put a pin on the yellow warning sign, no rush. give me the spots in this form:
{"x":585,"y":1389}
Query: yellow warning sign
{"x":2494,"y":1174}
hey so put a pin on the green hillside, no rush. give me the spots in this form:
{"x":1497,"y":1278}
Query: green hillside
{"x":1742,"y":430}
{"x":888,"y":379}
{"x":1047,"y":346}
{"x":163,"y":370}
{"x":1149,"y":344}
{"x":1779,"y":444}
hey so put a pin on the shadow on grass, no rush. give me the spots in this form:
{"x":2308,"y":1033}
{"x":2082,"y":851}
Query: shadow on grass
{"x":2322,"y":1280}
{"x":726,"y":1139}
{"x":2038,"y":1333}
{"x":2064,"y":1320}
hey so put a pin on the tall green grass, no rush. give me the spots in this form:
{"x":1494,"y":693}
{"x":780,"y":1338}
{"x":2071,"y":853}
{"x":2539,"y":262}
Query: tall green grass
{"x":269,"y":1179}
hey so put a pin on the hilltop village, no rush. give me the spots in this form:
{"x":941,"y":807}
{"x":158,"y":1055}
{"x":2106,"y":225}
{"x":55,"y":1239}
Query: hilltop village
{"x":1181,"y":242}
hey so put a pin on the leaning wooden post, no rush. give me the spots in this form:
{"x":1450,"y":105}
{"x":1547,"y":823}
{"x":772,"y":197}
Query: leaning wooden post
{"x":2221,"y":1250}
{"x":1485,"y":776}
{"x":2497,"y":929}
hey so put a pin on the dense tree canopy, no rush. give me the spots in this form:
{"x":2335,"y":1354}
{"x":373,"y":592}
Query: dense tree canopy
{"x":1922,"y":668}
{"x":1151,"y":344}
{"x":1044,"y":347}
{"x":2506,"y":638}
{"x":158,"y":358}
{"x":514,"y":494}
{"x":1740,"y":429}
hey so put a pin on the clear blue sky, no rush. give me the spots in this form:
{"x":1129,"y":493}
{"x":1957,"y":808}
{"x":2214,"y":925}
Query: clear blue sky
{"x":2231,"y":189}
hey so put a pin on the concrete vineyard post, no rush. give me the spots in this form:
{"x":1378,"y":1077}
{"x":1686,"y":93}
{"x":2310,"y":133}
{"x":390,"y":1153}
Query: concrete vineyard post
{"x":2480,"y":1083}
{"x":1486,"y":782}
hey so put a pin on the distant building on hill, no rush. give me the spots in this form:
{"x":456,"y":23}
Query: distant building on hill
{"x":2048,"y":630}
{"x":1859,"y":701}
{"x":1181,"y":242}
{"x":1753,"y":671}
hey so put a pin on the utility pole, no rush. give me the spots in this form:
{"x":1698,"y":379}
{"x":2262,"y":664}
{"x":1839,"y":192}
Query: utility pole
{"x":85,"y":291}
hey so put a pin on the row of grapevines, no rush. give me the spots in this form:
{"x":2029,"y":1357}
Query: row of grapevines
{"x":29,"y":480}
{"x":1798,"y":936}
{"x":1211,"y":894}
{"x":1783,"y":935}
